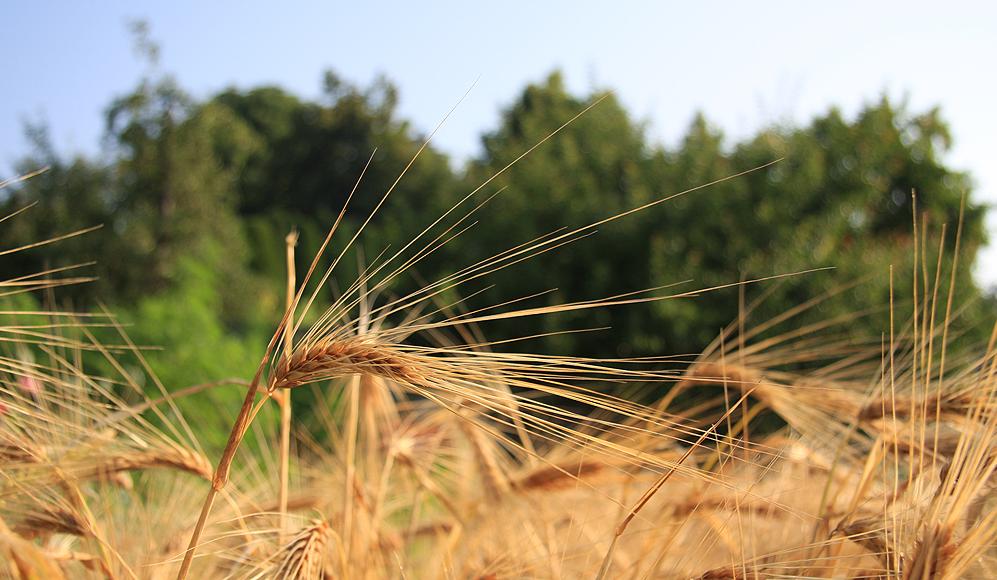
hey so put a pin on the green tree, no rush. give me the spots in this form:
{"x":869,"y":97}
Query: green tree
{"x":593,"y":168}
{"x":304,"y":158}
{"x":188,"y":188}
{"x":176,"y":196}
{"x":840,"y":197}
{"x":72,"y":194}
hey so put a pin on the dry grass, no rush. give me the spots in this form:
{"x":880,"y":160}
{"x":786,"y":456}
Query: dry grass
{"x":460,"y":461}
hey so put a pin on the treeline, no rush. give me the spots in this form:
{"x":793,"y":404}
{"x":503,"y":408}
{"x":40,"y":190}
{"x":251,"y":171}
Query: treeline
{"x":196,"y":197}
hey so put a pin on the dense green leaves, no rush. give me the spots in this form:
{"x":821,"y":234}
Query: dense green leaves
{"x":196,"y":198}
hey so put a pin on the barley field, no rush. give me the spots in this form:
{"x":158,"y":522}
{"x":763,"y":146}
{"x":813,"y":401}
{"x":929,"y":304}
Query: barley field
{"x":781,"y":450}
{"x":498,"y":291}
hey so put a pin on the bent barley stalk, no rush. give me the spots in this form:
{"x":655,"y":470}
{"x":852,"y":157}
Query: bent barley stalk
{"x":304,"y":557}
{"x":334,"y":358}
{"x":331,"y":356}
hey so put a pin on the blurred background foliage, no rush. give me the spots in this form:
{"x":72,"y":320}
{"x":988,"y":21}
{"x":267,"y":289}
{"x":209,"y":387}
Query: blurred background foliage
{"x":196,"y":197}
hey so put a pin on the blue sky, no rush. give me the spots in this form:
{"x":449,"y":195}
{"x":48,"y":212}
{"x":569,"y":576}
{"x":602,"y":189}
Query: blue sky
{"x":744,"y":64}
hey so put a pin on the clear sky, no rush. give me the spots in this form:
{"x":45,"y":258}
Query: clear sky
{"x":745,"y":64}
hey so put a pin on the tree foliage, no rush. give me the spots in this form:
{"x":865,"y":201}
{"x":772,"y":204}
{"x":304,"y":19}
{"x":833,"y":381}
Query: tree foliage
{"x":196,"y":197}
{"x":840,"y":196}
